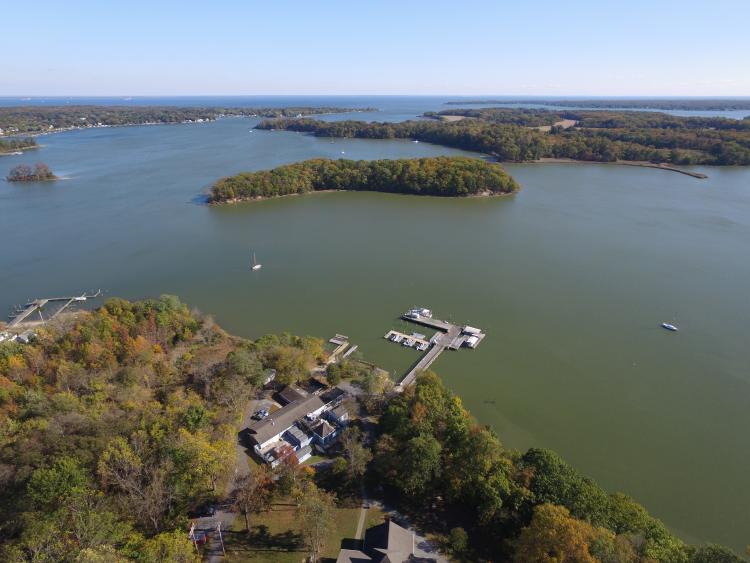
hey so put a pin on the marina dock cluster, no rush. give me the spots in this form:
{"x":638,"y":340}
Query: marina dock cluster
{"x":448,"y":336}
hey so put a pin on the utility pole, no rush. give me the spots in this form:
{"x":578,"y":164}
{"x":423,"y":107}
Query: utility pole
{"x":191,"y":535}
{"x":221,"y":539}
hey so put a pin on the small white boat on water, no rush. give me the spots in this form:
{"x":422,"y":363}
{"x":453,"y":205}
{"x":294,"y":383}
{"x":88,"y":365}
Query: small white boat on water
{"x":255,"y":265}
{"x":670,"y":327}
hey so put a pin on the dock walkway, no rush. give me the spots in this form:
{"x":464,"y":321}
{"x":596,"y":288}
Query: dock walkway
{"x":38,"y":304}
{"x":451,"y":337}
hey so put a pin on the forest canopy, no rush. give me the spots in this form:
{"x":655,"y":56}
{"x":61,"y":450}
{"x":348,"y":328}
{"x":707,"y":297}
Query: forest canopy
{"x":438,"y":176}
{"x":511,"y":135}
{"x":24,"y":173}
{"x":125,"y":417}
{"x":41,"y":119}
{"x":530,"y":507}
{"x":17,"y":144}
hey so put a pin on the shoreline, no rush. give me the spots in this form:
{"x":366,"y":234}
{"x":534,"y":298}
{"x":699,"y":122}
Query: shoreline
{"x":483,"y":194}
{"x":105,"y":126}
{"x":637,"y":163}
{"x":22,"y":150}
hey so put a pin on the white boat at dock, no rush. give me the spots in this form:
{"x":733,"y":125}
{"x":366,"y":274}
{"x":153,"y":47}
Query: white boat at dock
{"x":417,"y":312}
{"x":409,"y":342}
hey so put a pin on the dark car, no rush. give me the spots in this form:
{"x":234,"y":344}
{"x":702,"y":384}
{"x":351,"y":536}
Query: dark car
{"x":204,"y":511}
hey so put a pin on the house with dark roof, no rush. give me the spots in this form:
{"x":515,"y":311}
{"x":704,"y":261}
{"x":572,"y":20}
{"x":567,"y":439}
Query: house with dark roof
{"x":385,"y":543}
{"x":323,"y":433}
{"x":289,"y":395}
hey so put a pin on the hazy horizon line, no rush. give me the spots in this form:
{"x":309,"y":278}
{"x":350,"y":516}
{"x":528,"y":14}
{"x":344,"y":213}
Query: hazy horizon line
{"x":517,"y":96}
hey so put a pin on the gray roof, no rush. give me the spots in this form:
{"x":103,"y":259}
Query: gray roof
{"x":391,"y":540}
{"x":298,"y":434}
{"x":352,"y":556}
{"x":279,"y":421}
{"x":290,"y":395}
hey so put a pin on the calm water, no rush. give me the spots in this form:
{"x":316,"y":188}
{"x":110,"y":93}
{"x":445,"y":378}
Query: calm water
{"x":570,"y":279}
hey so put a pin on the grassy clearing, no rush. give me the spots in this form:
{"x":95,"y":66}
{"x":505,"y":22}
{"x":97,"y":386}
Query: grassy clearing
{"x":275,"y":535}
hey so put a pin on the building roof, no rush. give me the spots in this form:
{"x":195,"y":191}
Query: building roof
{"x":332,"y":394}
{"x":323,"y":429}
{"x":298,"y":434}
{"x":290,"y":395}
{"x":352,"y":556}
{"x":391,"y":541}
{"x":302,"y":452}
{"x":340,"y":412}
{"x":282,"y":452}
{"x":279,"y":421}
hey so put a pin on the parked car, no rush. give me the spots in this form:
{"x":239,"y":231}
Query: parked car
{"x":203,"y":511}
{"x":260,"y":414}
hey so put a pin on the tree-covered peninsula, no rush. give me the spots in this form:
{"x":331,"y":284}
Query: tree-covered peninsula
{"x":17,"y":144}
{"x":43,"y":119}
{"x":438,"y":176}
{"x":519,"y":135}
{"x":23,"y":173}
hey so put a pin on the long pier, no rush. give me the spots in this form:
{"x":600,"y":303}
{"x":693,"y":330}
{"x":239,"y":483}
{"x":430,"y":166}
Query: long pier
{"x":37,"y":305}
{"x":448,"y":337}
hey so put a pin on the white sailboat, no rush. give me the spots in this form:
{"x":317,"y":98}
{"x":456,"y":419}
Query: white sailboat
{"x":255,"y":265}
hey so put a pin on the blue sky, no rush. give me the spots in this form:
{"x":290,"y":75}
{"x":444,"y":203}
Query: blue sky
{"x":473,"y":47}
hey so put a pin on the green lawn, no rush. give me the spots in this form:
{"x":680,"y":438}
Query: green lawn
{"x":313,"y":459}
{"x":275,"y":535}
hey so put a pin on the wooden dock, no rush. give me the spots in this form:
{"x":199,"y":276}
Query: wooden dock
{"x":38,"y":305}
{"x":449,"y":337}
{"x":342,"y":343}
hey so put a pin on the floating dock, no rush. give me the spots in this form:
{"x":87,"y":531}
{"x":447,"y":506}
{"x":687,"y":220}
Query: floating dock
{"x":449,"y":336}
{"x":38,"y":305}
{"x":342,"y":343}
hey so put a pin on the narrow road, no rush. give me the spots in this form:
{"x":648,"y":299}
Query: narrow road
{"x":213,"y":552}
{"x":362,"y":514}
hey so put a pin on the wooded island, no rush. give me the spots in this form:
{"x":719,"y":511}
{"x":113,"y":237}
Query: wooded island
{"x":23,"y":173}
{"x":438,"y":176}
